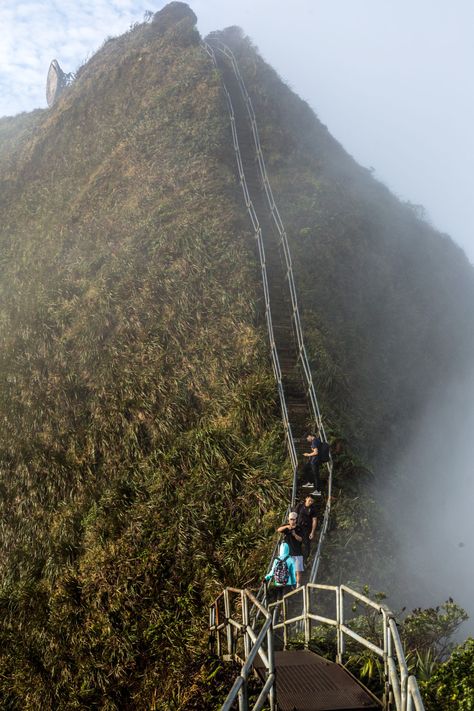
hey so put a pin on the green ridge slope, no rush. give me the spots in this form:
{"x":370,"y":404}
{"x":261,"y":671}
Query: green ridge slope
{"x":142,"y":462}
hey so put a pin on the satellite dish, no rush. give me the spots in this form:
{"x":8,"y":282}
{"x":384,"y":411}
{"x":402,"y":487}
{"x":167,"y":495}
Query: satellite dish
{"x":56,"y":82}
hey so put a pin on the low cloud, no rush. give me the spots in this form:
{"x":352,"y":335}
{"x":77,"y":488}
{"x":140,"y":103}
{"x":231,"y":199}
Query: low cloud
{"x":431,"y":512}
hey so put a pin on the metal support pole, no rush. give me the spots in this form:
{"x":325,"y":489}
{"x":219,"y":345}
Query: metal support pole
{"x":271,"y":668}
{"x":307,"y":620}
{"x":228,"y":626}
{"x":285,"y":630}
{"x":212,"y":628}
{"x":338,"y":636}
{"x":342,"y":640}
{"x":219,"y":643}
{"x":245,"y":620}
{"x":386,"y":648}
{"x":243,"y":696}
{"x":403,"y":688}
{"x":391,"y":697}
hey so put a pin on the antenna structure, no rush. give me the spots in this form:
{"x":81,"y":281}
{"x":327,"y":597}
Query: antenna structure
{"x":56,"y":82}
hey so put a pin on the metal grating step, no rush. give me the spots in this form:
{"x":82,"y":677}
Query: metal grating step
{"x":307,"y":682}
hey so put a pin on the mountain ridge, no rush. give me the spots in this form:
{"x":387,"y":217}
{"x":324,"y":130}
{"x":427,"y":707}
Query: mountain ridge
{"x":142,"y":456}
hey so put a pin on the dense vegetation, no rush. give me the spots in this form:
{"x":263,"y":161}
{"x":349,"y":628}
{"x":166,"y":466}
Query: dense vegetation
{"x":142,"y":463}
{"x":445,"y":672}
{"x":452,"y":685}
{"x":141,"y":457}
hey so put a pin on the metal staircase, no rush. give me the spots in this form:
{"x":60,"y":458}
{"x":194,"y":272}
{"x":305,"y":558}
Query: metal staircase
{"x":299,"y":679}
{"x":241,"y":626}
{"x":299,"y":404}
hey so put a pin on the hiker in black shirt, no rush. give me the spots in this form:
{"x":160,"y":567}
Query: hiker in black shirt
{"x":307,"y":522}
{"x":312,"y":464}
{"x":293,"y":535}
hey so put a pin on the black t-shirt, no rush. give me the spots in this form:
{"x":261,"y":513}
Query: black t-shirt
{"x":294,"y":545}
{"x":315,"y":442}
{"x":306,"y":515}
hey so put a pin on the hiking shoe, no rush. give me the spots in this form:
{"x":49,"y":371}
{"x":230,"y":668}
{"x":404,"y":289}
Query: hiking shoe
{"x":316,"y":493}
{"x":308,"y":483}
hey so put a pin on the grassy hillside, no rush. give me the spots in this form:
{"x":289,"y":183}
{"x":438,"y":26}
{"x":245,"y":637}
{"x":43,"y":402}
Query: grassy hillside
{"x":15,"y":131}
{"x":142,"y":463}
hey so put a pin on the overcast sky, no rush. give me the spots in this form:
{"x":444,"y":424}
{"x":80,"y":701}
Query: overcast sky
{"x":392,"y":79}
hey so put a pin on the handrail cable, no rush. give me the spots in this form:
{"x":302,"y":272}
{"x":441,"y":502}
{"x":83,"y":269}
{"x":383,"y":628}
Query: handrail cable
{"x":302,"y":354}
{"x":261,"y":251}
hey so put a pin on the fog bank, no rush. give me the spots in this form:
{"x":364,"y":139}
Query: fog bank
{"x":432,"y":513}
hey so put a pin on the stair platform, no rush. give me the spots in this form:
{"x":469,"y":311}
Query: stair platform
{"x":307,"y":682}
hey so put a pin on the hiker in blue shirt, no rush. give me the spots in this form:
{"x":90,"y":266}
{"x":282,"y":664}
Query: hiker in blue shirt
{"x":283,"y":555}
{"x":313,"y":464}
{"x":283,"y":568}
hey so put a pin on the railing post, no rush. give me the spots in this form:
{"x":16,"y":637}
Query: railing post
{"x":227,"y":623}
{"x":219,"y":644}
{"x":245,"y":621}
{"x":390,"y":702}
{"x":293,"y":489}
{"x":243,"y":696}
{"x":403,"y":687}
{"x":307,"y":621}
{"x":386,"y":648}
{"x":212,"y":624}
{"x":340,"y":622}
{"x":271,"y":667}
{"x":285,"y":631}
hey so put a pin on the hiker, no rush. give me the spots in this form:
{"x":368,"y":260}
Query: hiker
{"x":312,"y":465}
{"x":307,"y":522}
{"x":293,"y":535}
{"x":282,"y":574}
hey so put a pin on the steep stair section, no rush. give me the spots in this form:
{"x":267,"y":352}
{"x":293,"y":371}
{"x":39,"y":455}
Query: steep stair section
{"x":298,"y":405}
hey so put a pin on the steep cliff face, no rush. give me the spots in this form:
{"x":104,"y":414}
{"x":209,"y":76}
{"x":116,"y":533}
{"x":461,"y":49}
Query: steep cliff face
{"x":142,"y":463}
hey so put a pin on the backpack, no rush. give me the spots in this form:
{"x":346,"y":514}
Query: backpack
{"x":323,"y":452}
{"x":281,"y":574}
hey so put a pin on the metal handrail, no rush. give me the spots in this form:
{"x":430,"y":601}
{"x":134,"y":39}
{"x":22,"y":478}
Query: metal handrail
{"x":414,"y":700}
{"x":261,"y":251}
{"x":401,"y":689}
{"x":402,"y":692}
{"x":253,"y":640}
{"x":310,"y":391}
